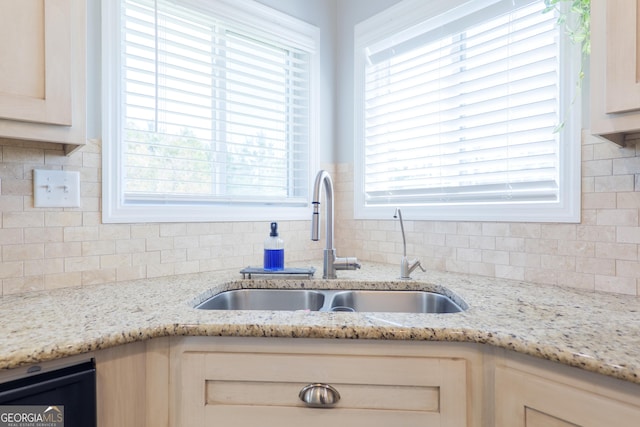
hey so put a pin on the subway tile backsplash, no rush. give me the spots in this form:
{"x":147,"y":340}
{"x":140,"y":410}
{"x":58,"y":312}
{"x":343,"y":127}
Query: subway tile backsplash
{"x":63,"y":247}
{"x":53,"y":247}
{"x":600,"y":253}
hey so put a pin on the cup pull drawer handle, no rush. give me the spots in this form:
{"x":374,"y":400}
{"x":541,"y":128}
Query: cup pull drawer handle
{"x":319,"y":395}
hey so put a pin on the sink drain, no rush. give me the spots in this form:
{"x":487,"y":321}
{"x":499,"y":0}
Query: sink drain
{"x":343,"y":308}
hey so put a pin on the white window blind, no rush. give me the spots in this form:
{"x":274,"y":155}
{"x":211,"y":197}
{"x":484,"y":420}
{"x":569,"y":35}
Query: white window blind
{"x":463,"y":112}
{"x":214,"y":111}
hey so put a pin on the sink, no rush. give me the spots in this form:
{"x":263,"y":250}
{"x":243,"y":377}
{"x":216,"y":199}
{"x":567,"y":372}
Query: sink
{"x":390,"y":301}
{"x":265,"y":299}
{"x":394,"y":301}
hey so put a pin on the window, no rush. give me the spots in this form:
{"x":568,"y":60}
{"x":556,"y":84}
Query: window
{"x":208,"y":110}
{"x":457,"y":106}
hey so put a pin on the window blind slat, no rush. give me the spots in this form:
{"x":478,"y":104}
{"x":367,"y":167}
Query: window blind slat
{"x":478,"y":105}
{"x":213,"y":111}
{"x":465,"y":116}
{"x":444,"y":58}
{"x":520,"y":67}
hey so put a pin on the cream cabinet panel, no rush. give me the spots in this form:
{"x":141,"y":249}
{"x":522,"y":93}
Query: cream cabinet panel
{"x":247,"y":390}
{"x":132,"y":384}
{"x":623,"y":56}
{"x":524,"y":399}
{"x":120,"y":386}
{"x":615,"y":69}
{"x":37,"y":28}
{"x":43,"y":71}
{"x":245,"y":386}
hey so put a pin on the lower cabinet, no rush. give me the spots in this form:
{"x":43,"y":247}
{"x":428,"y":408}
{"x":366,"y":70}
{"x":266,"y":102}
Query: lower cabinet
{"x":526,"y":396}
{"x":258,"y":382}
{"x":132,"y":384}
{"x":235,"y":381}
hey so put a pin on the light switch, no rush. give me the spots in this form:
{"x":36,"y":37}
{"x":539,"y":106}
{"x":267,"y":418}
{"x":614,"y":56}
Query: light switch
{"x":56,"y":189}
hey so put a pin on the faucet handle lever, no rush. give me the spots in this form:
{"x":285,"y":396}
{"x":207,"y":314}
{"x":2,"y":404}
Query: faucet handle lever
{"x":346,"y":263}
{"x":406,"y":267}
{"x":414,"y":264}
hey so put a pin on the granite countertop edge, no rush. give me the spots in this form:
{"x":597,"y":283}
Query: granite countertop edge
{"x":597,"y":332}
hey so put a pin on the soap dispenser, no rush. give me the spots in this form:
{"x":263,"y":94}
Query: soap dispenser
{"x":274,"y":250}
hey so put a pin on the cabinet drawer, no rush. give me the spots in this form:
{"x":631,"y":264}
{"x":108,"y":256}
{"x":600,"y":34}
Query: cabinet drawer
{"x":262,"y":389}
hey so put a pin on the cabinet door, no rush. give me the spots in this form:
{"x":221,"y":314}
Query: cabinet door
{"x":527,"y":400}
{"x":623,"y":56}
{"x":615,"y":68}
{"x":243,"y":389}
{"x":133,"y":384}
{"x":43,"y":71}
{"x":120,"y":386}
{"x":533,"y":418}
{"x":35,"y":77}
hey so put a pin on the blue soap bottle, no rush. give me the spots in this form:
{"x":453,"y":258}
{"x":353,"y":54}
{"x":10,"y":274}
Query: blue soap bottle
{"x":274,"y":250}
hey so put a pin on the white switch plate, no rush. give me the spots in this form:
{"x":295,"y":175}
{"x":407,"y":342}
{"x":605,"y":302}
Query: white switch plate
{"x":56,"y":189}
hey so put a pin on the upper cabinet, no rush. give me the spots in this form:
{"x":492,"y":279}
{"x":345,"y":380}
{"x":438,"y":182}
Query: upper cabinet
{"x":615,"y":69}
{"x":43,"y":71}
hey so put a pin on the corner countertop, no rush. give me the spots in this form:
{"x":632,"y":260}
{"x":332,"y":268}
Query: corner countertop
{"x":597,"y":332}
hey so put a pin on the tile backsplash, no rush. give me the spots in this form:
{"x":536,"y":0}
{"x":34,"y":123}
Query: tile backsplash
{"x":600,"y":253}
{"x":56,"y":247}
{"x":45,"y":248}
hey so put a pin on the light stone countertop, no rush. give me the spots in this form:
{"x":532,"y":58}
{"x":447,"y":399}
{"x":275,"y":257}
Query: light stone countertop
{"x":594,"y":331}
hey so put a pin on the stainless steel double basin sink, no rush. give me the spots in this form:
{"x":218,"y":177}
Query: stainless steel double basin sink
{"x":391,"y":301}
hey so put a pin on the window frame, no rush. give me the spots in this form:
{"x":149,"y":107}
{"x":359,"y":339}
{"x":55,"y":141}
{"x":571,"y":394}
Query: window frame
{"x":250,"y":13}
{"x":405,"y":17}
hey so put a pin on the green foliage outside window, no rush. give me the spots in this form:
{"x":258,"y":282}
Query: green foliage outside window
{"x":578,"y":29}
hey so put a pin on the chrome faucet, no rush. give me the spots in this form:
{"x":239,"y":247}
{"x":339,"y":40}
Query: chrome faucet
{"x":331,"y":261}
{"x":406,"y":266}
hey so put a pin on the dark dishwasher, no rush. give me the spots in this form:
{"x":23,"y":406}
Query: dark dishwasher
{"x":72,"y":387}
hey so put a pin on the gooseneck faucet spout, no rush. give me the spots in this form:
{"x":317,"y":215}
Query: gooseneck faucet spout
{"x":398,"y":214}
{"x":406,"y":266}
{"x":331,"y":261}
